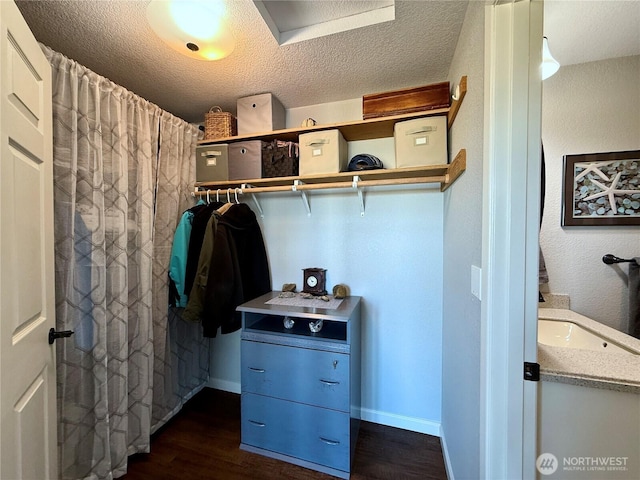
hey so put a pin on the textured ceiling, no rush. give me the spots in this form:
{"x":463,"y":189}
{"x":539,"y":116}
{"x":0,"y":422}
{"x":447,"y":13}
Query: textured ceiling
{"x":294,"y":21}
{"x":294,"y":14}
{"x":113,"y":39}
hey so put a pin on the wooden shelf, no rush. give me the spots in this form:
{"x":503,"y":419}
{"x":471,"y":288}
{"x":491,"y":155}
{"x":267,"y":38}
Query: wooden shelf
{"x":373,"y":128}
{"x":445,"y":175}
{"x":355,"y":130}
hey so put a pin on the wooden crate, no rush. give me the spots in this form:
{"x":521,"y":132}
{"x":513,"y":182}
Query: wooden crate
{"x":407,"y":100}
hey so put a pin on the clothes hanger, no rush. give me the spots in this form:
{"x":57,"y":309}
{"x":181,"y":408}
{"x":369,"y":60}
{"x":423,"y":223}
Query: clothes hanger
{"x":208,"y":199}
{"x":199,"y":198}
{"x":235,"y":194}
{"x":227,"y":205}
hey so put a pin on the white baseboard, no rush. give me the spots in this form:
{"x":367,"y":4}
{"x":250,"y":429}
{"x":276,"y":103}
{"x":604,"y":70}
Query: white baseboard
{"x":445,"y":454}
{"x":224,"y":385}
{"x":400,"y":421}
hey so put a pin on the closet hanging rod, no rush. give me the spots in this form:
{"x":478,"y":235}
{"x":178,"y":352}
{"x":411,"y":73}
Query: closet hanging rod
{"x":329,"y":185}
{"x":610,"y":259}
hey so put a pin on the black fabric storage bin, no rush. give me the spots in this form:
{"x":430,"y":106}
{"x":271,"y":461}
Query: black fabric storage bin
{"x":280,"y":159}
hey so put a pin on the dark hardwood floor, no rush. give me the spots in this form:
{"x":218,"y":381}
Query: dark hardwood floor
{"x":202,"y":442}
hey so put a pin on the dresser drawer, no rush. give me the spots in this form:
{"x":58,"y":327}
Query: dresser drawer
{"x":313,"y":377}
{"x":310,"y":433}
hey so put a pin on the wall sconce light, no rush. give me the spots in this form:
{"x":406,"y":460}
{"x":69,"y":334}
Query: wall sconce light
{"x":549,"y":64}
{"x":194,"y":28}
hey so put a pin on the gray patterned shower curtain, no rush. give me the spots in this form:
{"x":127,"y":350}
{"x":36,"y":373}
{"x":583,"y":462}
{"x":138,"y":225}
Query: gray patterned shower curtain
{"x":122,"y":168}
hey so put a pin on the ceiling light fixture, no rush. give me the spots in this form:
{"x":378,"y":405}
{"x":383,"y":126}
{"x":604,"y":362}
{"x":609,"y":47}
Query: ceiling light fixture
{"x":195,"y":28}
{"x":549,"y":64}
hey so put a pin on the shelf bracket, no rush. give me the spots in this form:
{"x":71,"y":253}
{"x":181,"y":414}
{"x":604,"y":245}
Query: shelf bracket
{"x":246,"y":186}
{"x":354,"y":184}
{"x":456,"y":168}
{"x":460,"y":92}
{"x":303,"y":195}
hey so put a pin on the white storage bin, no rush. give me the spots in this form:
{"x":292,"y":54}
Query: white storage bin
{"x":422,"y":141}
{"x":260,"y":113}
{"x":212,"y":163}
{"x":245,"y":160}
{"x":321,"y":152}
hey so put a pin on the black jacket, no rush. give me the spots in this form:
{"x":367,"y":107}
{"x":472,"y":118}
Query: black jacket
{"x":201,"y":216}
{"x":239,"y":270}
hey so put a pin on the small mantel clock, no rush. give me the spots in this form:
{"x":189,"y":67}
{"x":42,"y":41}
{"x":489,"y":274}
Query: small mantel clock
{"x":314,"y":281}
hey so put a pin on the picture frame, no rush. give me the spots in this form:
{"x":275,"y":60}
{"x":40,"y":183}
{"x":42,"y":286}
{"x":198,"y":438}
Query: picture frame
{"x":601,"y":189}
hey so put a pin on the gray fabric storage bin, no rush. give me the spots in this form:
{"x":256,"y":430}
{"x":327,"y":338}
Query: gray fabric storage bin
{"x":260,"y":113}
{"x":245,"y":160}
{"x":212,"y":163}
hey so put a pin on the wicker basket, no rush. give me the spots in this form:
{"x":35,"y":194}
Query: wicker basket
{"x":219,"y":124}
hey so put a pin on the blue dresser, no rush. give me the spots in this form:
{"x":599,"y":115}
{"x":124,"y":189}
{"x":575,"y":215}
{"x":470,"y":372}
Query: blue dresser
{"x":301,"y":390}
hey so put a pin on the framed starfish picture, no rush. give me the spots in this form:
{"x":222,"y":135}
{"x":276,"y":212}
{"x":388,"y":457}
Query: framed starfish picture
{"x":601,"y":189}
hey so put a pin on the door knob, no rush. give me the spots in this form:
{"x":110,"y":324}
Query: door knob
{"x":53,"y":335}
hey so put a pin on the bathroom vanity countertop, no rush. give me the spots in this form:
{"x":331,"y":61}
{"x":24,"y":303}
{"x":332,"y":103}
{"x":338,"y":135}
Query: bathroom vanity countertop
{"x":610,"y":370}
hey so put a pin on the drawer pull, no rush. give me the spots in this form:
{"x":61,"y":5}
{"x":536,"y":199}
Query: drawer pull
{"x":329,"y":382}
{"x":259,"y":370}
{"x":257,"y":424}
{"x":329,"y":442}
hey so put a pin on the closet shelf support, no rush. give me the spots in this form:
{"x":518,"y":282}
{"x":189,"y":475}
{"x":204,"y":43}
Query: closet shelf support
{"x":305,"y":199}
{"x":247,"y":187}
{"x":354,"y":184}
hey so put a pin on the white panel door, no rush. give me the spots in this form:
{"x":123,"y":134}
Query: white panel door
{"x":27,"y":306}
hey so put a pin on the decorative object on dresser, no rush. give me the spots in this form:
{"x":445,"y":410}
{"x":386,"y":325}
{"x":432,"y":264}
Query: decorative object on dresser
{"x":300,"y":398}
{"x":601,"y":189}
{"x":289,"y":287}
{"x":340,"y":291}
{"x":316,"y":326}
{"x":288,"y":322}
{"x":314,"y":281}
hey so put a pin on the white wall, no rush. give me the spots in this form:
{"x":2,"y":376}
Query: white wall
{"x":589,"y":108}
{"x":392,"y":257}
{"x":461,"y":340}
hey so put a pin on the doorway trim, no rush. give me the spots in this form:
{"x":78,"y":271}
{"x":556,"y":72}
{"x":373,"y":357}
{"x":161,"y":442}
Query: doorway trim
{"x":511,"y":186}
